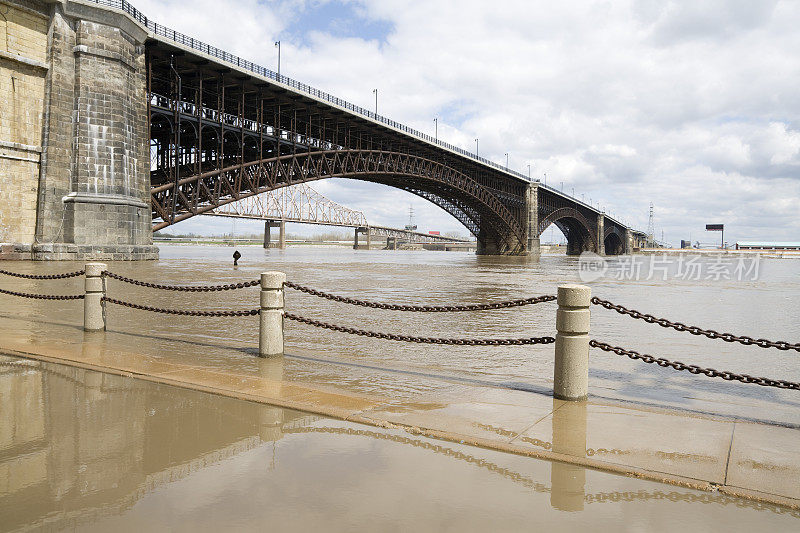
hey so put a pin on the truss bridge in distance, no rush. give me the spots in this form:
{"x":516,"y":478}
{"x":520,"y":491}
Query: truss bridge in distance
{"x":303,"y":205}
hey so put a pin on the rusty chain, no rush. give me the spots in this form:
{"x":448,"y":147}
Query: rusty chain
{"x":44,"y":276}
{"x":185,"y":288}
{"x":183,"y":312}
{"x":43,"y":296}
{"x":694,"y":369}
{"x":694,"y":330}
{"x":423,"y":340}
{"x":421,"y":308}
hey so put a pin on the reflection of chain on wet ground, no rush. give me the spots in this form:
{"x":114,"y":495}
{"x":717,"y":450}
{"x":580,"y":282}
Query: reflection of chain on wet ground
{"x":592,"y":451}
{"x":597,"y":497}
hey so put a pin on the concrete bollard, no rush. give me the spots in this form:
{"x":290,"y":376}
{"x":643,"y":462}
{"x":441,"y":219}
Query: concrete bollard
{"x":571,"y":370}
{"x":93,"y":316}
{"x":270,"y":336}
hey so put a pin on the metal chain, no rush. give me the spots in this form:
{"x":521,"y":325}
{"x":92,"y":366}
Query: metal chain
{"x":249,"y":312}
{"x":185,"y":288}
{"x":423,"y":340}
{"x":421,"y":308}
{"x":694,"y":369}
{"x":44,"y":276}
{"x":43,"y":296}
{"x":694,"y":330}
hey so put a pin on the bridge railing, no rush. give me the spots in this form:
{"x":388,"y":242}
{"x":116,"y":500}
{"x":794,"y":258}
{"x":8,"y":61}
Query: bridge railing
{"x":572,"y":341}
{"x":195,"y":44}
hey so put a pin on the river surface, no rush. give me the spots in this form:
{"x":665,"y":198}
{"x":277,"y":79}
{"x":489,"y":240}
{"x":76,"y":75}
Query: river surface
{"x":91,"y":452}
{"x":767,"y":307}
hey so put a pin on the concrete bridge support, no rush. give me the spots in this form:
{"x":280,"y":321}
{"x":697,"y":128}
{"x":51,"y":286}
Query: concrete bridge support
{"x":78,"y":92}
{"x":532,"y":207}
{"x":365,"y":231}
{"x":281,"y":225}
{"x":600,"y":244}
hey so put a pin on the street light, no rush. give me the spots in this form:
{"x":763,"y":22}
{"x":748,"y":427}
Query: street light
{"x":436,"y":125}
{"x":506,"y":160}
{"x":376,"y":101}
{"x":476,"y":147}
{"x":278,"y":45}
{"x":529,"y":173}
{"x":562,"y":186}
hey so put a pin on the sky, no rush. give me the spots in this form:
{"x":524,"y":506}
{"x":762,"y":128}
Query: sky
{"x":693,"y":106}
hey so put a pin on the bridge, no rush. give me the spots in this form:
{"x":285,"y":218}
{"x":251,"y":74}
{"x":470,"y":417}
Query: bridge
{"x":302,"y":204}
{"x":142,"y":127}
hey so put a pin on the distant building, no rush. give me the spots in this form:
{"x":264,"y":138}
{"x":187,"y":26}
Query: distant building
{"x":762,"y":245}
{"x":434,"y":233}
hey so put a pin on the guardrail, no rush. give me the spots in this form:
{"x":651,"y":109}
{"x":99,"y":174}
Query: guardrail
{"x":572,"y":342}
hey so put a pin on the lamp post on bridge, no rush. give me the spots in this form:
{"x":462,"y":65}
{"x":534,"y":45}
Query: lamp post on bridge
{"x":506,"y":160}
{"x":436,"y":129}
{"x":529,"y":173}
{"x":476,"y":147}
{"x":278,"y":46}
{"x":376,"y":101}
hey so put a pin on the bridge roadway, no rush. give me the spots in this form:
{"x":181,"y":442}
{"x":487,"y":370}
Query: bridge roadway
{"x":220,"y":128}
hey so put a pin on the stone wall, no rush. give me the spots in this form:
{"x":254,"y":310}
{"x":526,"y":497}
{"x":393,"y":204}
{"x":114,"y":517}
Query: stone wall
{"x":95,"y":185}
{"x":23,"y":68}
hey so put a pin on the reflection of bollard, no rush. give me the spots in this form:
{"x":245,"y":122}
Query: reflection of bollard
{"x":270,"y":338}
{"x":569,"y":437}
{"x":571,"y":369}
{"x":93,"y":316}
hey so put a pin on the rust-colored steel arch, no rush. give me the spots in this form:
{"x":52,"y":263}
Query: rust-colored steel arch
{"x":477,"y":207}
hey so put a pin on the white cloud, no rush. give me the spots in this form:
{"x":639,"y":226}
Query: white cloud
{"x":691,"y":105}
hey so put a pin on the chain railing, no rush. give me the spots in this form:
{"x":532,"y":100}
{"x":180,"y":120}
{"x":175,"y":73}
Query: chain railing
{"x":421,"y":340}
{"x":421,"y":308}
{"x":44,"y":276}
{"x":183,"y":312}
{"x":694,"y":330}
{"x":43,"y":296}
{"x":694,"y":369}
{"x":184,"y":288}
{"x":573,"y":321}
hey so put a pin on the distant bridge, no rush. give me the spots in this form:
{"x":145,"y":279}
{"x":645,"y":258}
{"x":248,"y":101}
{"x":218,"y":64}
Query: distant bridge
{"x":302,"y":204}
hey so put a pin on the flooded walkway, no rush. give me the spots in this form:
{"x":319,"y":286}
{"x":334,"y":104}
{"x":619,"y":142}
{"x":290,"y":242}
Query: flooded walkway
{"x":714,"y":453}
{"x":88,"y":451}
{"x":725,"y":439}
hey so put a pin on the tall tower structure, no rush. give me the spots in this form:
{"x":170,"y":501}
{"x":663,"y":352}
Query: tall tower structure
{"x":651,"y":226}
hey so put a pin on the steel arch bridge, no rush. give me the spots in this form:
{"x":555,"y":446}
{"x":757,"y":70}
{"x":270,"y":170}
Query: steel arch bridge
{"x":222,"y":129}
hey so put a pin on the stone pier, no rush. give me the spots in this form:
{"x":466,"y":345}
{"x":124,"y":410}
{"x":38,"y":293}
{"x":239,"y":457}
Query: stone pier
{"x":74,"y":146}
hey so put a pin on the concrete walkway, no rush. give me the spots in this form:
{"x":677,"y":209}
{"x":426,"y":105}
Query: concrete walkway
{"x":735,"y":457}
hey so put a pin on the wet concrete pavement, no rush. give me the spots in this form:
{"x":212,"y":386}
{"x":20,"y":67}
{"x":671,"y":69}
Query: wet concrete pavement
{"x":87,"y":451}
{"x":714,"y":453}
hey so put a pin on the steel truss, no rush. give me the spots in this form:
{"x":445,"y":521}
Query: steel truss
{"x":298,"y":203}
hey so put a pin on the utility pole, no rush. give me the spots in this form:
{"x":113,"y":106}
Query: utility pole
{"x":278,"y":46}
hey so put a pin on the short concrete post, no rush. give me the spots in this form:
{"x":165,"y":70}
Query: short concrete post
{"x":571,"y":371}
{"x":270,"y":337}
{"x":93,"y":316}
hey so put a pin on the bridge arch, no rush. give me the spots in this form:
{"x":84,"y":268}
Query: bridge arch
{"x":581,"y":235}
{"x":473,"y":204}
{"x":613,"y":241}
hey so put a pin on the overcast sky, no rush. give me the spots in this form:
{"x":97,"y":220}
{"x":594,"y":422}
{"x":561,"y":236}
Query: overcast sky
{"x":693,"y":106}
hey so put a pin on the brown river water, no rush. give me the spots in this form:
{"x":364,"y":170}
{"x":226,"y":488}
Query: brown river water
{"x":81,"y":450}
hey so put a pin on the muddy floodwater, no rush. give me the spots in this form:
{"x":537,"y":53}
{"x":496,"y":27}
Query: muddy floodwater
{"x":764,"y":304}
{"x":85,"y":451}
